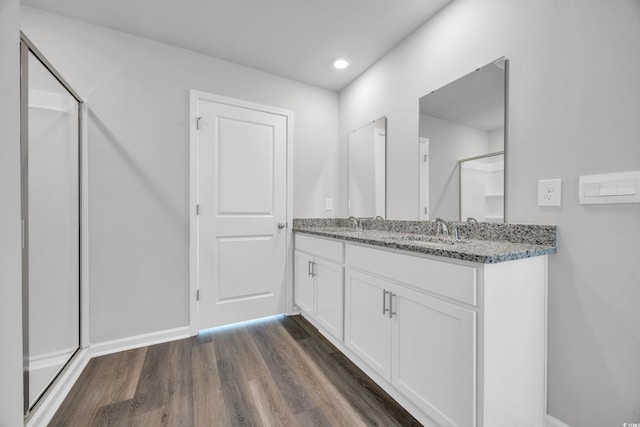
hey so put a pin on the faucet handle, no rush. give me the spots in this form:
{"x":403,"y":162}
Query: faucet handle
{"x":357,"y":224}
{"x":442,"y":227}
{"x":454,"y":233}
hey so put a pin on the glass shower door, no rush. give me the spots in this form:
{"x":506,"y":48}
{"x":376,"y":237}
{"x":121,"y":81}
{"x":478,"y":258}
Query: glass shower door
{"x":51,"y":206}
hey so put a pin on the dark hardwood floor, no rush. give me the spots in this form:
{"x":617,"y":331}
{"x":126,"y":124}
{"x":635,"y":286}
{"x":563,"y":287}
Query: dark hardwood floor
{"x":278,"y":372}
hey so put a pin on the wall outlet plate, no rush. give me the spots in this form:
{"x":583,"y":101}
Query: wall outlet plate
{"x":328,"y":204}
{"x":549,"y":192}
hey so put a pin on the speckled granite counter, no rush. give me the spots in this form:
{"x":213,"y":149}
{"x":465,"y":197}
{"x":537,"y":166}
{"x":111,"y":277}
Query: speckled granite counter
{"x":483,"y":242}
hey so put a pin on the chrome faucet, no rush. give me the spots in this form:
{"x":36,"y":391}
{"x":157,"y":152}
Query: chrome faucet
{"x":472,"y":220}
{"x":442,"y":227}
{"x":356,"y":224}
{"x":454,"y":233}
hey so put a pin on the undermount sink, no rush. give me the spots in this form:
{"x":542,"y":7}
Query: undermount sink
{"x":429,"y":243}
{"x":425,"y":240}
{"x":350,"y":232}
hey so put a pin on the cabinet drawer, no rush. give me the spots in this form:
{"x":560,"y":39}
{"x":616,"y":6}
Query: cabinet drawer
{"x":454,"y":281}
{"x":324,"y":248}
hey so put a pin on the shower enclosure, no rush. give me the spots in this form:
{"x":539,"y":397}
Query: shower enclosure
{"x":51,"y":213}
{"x":482,"y":187}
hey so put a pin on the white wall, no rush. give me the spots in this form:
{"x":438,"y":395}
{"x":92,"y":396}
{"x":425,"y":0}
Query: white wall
{"x":496,"y":140}
{"x":574,"y":103}
{"x":10,"y":256}
{"x":448,"y":143}
{"x":137,"y":91}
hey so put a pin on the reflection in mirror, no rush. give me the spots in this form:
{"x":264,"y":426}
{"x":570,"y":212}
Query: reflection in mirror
{"x":462,"y":121}
{"x":482,"y":188}
{"x":367,"y":170}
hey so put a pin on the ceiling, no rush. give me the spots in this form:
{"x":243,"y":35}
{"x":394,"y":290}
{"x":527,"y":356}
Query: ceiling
{"x":297,"y":39}
{"x":476,"y":100}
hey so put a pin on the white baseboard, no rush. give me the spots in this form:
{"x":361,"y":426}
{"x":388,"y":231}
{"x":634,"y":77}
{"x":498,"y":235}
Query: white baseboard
{"x":553,"y":422}
{"x":55,"y":396}
{"x":128,"y":343}
{"x":51,"y":359}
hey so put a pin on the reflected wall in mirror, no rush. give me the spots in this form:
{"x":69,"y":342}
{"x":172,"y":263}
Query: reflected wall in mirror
{"x":367,"y":170}
{"x":464,"y":120}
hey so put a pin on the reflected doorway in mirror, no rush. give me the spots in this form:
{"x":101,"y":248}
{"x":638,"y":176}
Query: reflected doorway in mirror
{"x":368,"y":170}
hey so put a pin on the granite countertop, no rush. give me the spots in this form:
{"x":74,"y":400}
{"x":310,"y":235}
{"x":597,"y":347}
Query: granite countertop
{"x":483,"y":243}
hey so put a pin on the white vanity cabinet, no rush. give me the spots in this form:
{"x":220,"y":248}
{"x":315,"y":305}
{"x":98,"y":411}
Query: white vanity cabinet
{"x":319,"y":280}
{"x":367,"y":322}
{"x":457,"y":343}
{"x":305,"y":287}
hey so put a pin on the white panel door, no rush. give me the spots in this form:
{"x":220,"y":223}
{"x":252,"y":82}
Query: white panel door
{"x":241,"y":190}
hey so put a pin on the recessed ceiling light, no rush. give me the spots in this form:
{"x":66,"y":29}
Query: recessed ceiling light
{"x":341,"y":63}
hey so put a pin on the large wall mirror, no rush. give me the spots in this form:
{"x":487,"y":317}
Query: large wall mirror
{"x":50,"y":147}
{"x":368,"y":170}
{"x":462,"y":144}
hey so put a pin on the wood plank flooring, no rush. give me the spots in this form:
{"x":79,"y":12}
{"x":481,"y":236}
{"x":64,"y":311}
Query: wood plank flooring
{"x":277,"y":372}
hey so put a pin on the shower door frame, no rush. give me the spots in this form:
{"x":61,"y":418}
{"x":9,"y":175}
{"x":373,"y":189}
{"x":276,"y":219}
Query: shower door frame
{"x":26,"y":47}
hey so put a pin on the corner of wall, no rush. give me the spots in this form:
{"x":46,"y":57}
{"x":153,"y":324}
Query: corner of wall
{"x":10,"y":240}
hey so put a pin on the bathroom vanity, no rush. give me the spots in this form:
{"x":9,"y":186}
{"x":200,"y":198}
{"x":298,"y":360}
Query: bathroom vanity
{"x":454,"y":330}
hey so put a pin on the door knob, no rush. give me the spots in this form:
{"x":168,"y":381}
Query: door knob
{"x":282,"y":225}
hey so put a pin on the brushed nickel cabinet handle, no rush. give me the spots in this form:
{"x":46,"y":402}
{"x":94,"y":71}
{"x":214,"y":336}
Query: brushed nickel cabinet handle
{"x":384,"y":301}
{"x":391,"y":312}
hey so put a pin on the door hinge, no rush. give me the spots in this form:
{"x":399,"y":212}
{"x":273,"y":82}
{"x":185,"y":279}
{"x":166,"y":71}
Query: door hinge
{"x":197,"y":294}
{"x":198,"y":209}
{"x":425,"y":211}
{"x":425,"y":158}
{"x":198,"y":122}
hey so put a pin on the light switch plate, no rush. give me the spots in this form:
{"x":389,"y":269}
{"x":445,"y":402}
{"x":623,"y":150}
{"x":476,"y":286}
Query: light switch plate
{"x":549,"y":192}
{"x":617,"y":187}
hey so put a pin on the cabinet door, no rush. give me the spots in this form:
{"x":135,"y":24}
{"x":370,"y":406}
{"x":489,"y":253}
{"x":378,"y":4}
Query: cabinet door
{"x":367,"y":326}
{"x":304,"y":290}
{"x":434,"y":357}
{"x":329,"y":296}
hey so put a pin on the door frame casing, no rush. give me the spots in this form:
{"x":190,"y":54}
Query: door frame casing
{"x":423,"y":184}
{"x":194,"y":97}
